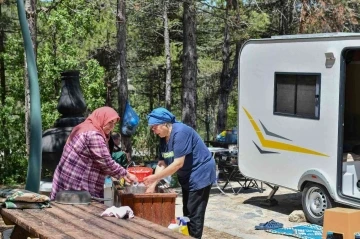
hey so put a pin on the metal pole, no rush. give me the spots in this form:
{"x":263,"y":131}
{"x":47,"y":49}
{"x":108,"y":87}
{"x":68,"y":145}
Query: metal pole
{"x":35,"y":157}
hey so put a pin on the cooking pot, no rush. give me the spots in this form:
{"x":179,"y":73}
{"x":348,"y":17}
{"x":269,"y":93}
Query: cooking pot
{"x":76,"y":197}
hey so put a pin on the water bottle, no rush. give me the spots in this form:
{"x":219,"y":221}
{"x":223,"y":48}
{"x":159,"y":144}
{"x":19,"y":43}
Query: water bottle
{"x":108,"y":182}
{"x":168,"y":179}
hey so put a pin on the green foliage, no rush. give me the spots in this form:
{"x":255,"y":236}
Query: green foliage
{"x":13,"y":162}
{"x":232,"y":116}
{"x":92,"y":84}
{"x":67,"y":36}
{"x":257,"y":24}
{"x":49,"y":114}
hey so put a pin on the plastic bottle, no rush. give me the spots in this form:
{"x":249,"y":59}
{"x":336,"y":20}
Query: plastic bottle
{"x":183,"y":228}
{"x":174,"y":226}
{"x":167,"y":179}
{"x":108,"y":182}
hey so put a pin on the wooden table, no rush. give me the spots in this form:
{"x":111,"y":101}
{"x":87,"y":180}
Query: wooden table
{"x":80,"y":221}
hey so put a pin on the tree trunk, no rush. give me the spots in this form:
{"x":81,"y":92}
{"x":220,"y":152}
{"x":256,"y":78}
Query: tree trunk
{"x":207,"y":118}
{"x":303,"y":14}
{"x":286,"y":16}
{"x":121,"y":71}
{"x":2,"y":67}
{"x":57,"y":83}
{"x":4,"y":129}
{"x":282,"y":17}
{"x":225,"y":83}
{"x":30,"y":9}
{"x":108,"y":101}
{"x":167,"y":56}
{"x":189,"y":77}
{"x":290,"y":17}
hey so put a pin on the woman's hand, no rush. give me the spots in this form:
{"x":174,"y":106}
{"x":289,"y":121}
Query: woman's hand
{"x":131,"y":178}
{"x":150,"y":179}
{"x":150,"y":190}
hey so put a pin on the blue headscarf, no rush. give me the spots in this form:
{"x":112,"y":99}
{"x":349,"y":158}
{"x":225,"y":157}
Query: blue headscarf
{"x":160,"y":116}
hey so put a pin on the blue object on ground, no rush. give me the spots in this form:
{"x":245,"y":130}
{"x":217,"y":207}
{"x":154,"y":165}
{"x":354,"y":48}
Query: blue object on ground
{"x":269,"y":225}
{"x":309,"y":231}
{"x":262,"y":224}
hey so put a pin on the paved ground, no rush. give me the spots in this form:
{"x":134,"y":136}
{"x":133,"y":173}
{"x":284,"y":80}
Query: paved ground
{"x":235,"y":216}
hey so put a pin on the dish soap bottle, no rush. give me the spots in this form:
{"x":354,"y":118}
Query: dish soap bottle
{"x":183,"y":227}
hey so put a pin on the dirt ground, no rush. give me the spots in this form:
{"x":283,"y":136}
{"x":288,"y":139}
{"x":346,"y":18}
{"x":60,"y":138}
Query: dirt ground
{"x":210,"y":233}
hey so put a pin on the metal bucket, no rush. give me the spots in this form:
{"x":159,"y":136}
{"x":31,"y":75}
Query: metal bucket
{"x":139,"y":189}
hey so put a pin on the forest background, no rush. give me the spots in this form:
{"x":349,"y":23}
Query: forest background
{"x":178,"y":54}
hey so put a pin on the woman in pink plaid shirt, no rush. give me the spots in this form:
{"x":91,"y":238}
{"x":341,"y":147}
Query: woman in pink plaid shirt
{"x":86,"y":159}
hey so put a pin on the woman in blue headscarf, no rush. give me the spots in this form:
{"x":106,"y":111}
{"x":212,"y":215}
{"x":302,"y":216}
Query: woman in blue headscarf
{"x":183,"y":151}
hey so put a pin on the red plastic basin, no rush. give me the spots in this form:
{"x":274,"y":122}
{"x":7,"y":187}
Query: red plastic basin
{"x":140,"y":172}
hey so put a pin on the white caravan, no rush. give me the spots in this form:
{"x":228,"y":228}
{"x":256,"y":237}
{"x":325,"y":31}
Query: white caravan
{"x":299,"y":117}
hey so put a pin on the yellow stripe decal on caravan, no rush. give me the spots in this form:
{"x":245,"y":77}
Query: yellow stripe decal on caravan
{"x":279,"y":145}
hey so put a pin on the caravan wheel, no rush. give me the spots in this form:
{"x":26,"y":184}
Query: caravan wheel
{"x":315,"y":199}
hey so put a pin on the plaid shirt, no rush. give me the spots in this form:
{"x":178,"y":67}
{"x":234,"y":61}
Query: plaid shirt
{"x":84,"y":164}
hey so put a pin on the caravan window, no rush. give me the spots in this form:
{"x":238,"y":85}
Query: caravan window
{"x":297,"y":95}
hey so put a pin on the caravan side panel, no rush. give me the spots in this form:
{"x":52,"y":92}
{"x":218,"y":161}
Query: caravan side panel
{"x":279,"y":149}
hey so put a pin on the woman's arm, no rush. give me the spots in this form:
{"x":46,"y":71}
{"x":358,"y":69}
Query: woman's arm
{"x":169,"y":170}
{"x":100,"y":155}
